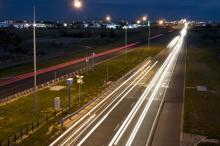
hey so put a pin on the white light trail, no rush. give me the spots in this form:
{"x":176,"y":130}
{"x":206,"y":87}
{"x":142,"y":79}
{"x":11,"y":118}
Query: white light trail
{"x":81,"y":119}
{"x":140,"y":120}
{"x":173,"y":42}
{"x":115,"y":105}
{"x":171,"y":62}
{"x":131,"y":115}
{"x":146,"y":71}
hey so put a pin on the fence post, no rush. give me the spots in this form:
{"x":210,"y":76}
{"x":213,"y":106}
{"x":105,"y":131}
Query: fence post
{"x":15,"y":138}
{"x":21,"y":134}
{"x":32,"y":126}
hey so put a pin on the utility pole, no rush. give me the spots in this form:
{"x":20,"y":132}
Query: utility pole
{"x":35,"y":64}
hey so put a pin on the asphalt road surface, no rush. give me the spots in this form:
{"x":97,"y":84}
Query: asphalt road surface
{"x":169,"y":128}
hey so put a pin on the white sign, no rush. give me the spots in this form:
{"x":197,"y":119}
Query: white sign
{"x":57,"y":103}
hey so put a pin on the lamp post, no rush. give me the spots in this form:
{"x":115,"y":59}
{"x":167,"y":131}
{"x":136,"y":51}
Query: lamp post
{"x":144,"y":18}
{"x":69,"y":83}
{"x":79,"y":82}
{"x":148,"y":24}
{"x":126,"y":40}
{"x":35,"y":64}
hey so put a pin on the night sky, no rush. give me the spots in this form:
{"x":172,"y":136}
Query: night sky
{"x":118,"y":9}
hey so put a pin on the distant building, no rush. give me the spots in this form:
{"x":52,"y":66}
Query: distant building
{"x":4,"y":25}
{"x":41,"y":25}
{"x":21,"y":25}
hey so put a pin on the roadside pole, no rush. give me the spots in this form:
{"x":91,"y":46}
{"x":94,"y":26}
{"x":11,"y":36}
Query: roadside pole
{"x":126,"y":40}
{"x":148,"y":24}
{"x":69,"y":84}
{"x":80,"y":82}
{"x":35,"y":64}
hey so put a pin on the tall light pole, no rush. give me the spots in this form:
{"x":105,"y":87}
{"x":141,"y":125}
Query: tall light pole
{"x":126,"y":40}
{"x":35,"y":64}
{"x":148,"y":24}
{"x":144,"y":18}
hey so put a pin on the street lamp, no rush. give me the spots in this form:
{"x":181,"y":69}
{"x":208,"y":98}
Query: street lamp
{"x":69,"y":83}
{"x":80,"y":82}
{"x":108,"y":18}
{"x":77,"y":4}
{"x":126,"y":39}
{"x":144,"y":18}
{"x":35,"y":64}
{"x":148,"y":24}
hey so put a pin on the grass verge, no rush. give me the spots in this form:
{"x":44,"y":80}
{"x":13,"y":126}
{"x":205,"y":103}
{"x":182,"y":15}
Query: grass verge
{"x":202,"y":109}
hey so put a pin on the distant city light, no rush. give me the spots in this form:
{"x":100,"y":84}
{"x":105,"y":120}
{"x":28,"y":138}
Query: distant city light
{"x":77,"y":4}
{"x":161,"y":22}
{"x":65,"y":24}
{"x":138,"y":22}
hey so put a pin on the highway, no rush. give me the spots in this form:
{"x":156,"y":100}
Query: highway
{"x":128,"y":116}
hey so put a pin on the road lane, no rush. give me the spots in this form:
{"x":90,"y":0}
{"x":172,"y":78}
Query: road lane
{"x":168,"y":129}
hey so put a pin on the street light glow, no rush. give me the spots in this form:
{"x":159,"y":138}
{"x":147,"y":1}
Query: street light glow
{"x":161,"y":22}
{"x":77,"y":4}
{"x":144,"y":18}
{"x":108,"y":18}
